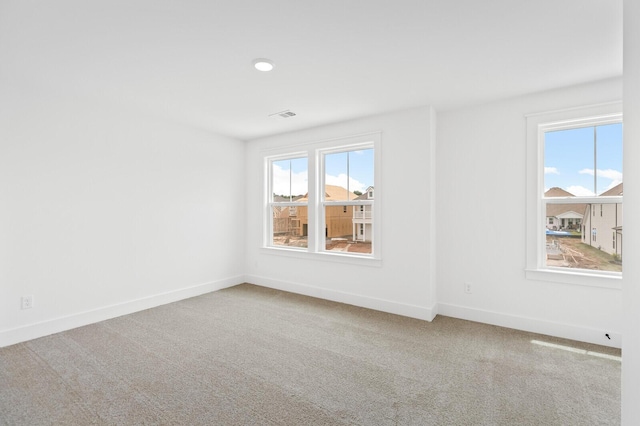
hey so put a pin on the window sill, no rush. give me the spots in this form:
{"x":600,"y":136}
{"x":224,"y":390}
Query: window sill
{"x":352,"y":259}
{"x":613,"y":281}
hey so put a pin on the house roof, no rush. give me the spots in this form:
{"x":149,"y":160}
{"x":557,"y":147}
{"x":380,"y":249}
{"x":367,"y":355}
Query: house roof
{"x":365,"y":194}
{"x":556,"y":210}
{"x":281,"y":199}
{"x":557,"y":192}
{"x":334,"y":193}
{"x":570,"y":214}
{"x":615,"y":191}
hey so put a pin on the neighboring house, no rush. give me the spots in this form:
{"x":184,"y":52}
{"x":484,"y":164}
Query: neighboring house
{"x":602,"y":227}
{"x":362,"y":219}
{"x":285,"y":220}
{"x":338,"y":219}
{"x":563,"y":216}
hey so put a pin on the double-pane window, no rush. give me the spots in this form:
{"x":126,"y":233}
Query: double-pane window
{"x":575,"y":195}
{"x":321,"y":199}
{"x":288,"y":204}
{"x":583,"y":190}
{"x":347,"y":200}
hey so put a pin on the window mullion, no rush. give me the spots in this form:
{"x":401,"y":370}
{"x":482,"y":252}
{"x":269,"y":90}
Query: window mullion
{"x":595,"y":161}
{"x":314,"y":182}
{"x":542,"y":237}
{"x":584,"y":200}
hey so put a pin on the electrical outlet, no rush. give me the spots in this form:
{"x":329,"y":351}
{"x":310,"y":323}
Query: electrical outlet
{"x":467,"y":288}
{"x":27,"y":302}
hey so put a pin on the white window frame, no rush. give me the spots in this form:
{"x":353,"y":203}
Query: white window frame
{"x":269,"y":196}
{"x":315,"y":151}
{"x":537,"y":125}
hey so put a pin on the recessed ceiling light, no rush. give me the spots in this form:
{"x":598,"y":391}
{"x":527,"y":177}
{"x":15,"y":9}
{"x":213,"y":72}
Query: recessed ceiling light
{"x":262,"y":64}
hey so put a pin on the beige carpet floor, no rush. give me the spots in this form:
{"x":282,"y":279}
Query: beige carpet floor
{"x":254,"y":356}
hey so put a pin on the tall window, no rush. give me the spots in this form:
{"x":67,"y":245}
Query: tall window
{"x":575,"y":193}
{"x":320,"y":200}
{"x":348,"y":176}
{"x":288,"y":202}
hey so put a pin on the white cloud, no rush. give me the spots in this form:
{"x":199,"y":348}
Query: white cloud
{"x":341,"y":180}
{"x":614,"y":175}
{"x":299,"y":182}
{"x":607,"y":174}
{"x":611,"y":174}
{"x":579,"y":191}
{"x":551,"y":171}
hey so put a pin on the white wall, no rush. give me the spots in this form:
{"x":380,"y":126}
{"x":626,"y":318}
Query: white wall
{"x":481,"y":175}
{"x":105,"y":212}
{"x":403,"y":283}
{"x":631,"y":282}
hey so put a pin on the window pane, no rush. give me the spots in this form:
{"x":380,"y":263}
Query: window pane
{"x":290,"y":226}
{"x":584,"y":236}
{"x":348,"y":173}
{"x":349,"y":228}
{"x":290,"y":179}
{"x":609,"y":156}
{"x":585,"y":161}
{"x":568,"y":158}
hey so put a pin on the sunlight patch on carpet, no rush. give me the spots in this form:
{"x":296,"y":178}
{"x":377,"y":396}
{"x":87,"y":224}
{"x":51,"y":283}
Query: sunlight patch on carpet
{"x":577,"y":350}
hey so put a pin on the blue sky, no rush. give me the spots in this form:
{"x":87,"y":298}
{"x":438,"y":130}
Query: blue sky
{"x":360,"y":169}
{"x":290,"y":177}
{"x":569,"y":159}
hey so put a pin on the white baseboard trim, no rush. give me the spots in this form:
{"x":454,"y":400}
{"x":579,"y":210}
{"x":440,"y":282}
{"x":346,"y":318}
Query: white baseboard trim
{"x":549,"y":328}
{"x":56,"y":325}
{"x":403,"y":309}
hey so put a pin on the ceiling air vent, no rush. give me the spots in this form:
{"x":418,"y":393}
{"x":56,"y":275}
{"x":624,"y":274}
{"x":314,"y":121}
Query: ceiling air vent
{"x":283,"y":114}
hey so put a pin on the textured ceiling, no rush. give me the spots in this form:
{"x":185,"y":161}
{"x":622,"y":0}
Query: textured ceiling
{"x":190,"y":60}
